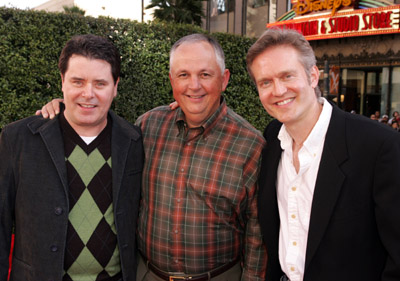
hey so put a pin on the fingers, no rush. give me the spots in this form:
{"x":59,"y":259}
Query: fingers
{"x":173,"y":105}
{"x":51,"y":109}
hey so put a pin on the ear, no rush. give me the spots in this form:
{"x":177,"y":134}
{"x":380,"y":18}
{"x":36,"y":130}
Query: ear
{"x":116,"y":88}
{"x":314,"y":75}
{"x":225,"y":79}
{"x":170,"y":77}
{"x":62,"y":82}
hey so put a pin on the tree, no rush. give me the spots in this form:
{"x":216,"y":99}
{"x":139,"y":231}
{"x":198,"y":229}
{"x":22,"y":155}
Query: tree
{"x":74,"y":10}
{"x":179,"y":11}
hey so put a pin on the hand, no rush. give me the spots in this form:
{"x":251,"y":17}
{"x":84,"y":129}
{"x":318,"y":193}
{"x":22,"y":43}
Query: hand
{"x":173,"y":105}
{"x":51,"y":109}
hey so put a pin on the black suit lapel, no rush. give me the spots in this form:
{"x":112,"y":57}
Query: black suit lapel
{"x":329,"y":182}
{"x":268,"y":211}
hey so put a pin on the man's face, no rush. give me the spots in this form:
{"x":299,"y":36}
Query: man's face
{"x":283,"y":86}
{"x":89,"y":89}
{"x":197,"y":81}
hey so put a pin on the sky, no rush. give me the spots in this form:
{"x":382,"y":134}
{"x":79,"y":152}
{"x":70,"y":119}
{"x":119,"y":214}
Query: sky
{"x":127,"y":9}
{"x":21,"y":4}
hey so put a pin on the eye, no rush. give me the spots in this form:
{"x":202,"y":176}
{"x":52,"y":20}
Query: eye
{"x":100,"y":84}
{"x":205,"y":75}
{"x":77,"y":83}
{"x":265,"y":83}
{"x":182,"y":75}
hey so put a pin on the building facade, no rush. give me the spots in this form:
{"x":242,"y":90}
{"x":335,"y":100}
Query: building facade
{"x":357,"y":43}
{"x":244,"y":17}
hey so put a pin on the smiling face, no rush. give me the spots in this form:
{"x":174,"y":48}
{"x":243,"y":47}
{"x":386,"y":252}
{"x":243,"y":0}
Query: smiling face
{"x":284,"y":88}
{"x":197,"y":81}
{"x":89,"y":90}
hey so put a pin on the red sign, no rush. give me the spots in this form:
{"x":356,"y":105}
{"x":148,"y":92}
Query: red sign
{"x":374,"y":21}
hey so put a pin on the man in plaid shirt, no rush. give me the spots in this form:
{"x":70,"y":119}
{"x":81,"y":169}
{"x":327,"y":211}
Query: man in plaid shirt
{"x":198,"y":215}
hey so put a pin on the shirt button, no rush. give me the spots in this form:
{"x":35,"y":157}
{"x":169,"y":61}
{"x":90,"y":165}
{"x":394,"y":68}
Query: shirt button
{"x":179,"y":200}
{"x":182,"y":170}
{"x":295,"y":243}
{"x":54,"y":248}
{"x":293,"y":216}
{"x":58,"y":211}
{"x":188,"y":144}
{"x":294,"y":188}
{"x":176,"y":231}
{"x":176,"y":261}
{"x":292,"y":268}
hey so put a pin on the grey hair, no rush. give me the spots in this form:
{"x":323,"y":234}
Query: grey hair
{"x":198,"y":37}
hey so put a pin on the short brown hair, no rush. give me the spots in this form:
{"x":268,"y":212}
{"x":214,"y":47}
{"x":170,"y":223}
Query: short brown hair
{"x":279,"y":37}
{"x":92,"y":47}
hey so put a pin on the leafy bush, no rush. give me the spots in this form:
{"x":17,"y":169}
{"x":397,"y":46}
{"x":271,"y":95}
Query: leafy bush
{"x":31,"y":42}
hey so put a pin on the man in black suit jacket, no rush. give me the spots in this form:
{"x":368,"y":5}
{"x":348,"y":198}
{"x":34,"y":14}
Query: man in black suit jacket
{"x":329,"y":198}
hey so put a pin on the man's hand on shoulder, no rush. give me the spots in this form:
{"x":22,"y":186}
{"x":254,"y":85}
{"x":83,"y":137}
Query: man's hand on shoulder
{"x":173,"y":105}
{"x":51,"y":109}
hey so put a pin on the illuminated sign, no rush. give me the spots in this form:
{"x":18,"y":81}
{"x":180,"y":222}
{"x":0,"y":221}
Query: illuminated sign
{"x":308,"y":6}
{"x":363,"y":22}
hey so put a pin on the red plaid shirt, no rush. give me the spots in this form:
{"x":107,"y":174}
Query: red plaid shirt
{"x":198,"y":208}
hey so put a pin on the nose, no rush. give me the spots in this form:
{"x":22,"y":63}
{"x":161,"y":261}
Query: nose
{"x":88,"y":91}
{"x":279,"y":88}
{"x":194,"y":82}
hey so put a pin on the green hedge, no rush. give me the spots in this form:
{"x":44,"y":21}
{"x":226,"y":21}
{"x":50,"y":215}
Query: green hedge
{"x":31,"y":41}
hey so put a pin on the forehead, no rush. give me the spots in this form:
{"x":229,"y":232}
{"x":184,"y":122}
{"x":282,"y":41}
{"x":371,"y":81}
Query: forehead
{"x":80,"y":65}
{"x":193,"y":52}
{"x":276,"y":59}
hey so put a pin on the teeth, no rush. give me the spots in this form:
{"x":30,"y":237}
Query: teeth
{"x":285,"y":101}
{"x":195,"y":97}
{"x":87,"y":106}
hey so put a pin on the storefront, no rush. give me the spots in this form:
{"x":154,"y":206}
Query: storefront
{"x":357,"y":45}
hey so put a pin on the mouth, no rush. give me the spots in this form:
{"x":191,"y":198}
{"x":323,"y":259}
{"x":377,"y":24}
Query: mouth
{"x":87,"y":105}
{"x":286,"y":101}
{"x":196,"y":97}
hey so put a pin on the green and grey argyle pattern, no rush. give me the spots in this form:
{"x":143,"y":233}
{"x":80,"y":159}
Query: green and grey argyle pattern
{"x":91,"y":251}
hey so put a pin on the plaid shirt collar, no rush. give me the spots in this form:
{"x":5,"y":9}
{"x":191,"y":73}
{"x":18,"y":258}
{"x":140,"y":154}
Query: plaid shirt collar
{"x":205,"y":129}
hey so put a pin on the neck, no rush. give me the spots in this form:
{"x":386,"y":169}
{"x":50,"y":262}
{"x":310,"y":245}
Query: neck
{"x":301,"y":130}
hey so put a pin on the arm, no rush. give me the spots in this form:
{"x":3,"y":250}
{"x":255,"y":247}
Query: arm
{"x":387,"y":203}
{"x":7,"y":203}
{"x":255,"y":255}
{"x":51,"y":109}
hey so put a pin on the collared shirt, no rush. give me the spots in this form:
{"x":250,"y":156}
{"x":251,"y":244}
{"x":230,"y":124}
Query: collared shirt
{"x":198,"y":208}
{"x":295,"y":194}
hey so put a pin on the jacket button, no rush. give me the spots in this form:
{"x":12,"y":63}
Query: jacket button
{"x":58,"y":211}
{"x":54,"y":248}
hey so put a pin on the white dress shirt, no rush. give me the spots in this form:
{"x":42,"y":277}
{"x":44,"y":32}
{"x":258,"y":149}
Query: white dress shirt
{"x":295,"y":193}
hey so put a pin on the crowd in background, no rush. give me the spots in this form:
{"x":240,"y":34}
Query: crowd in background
{"x":393,"y":122}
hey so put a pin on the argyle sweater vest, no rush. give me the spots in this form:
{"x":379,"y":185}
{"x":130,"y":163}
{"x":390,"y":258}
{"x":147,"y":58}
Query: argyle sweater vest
{"x":91,"y":249}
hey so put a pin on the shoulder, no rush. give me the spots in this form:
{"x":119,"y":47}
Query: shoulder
{"x":272,"y":129}
{"x":123,"y":126}
{"x":243,"y":126}
{"x":364,"y":129}
{"x":31,"y":124}
{"x":155,"y":113}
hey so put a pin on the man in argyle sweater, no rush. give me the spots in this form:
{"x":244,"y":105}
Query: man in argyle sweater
{"x":70,"y":186}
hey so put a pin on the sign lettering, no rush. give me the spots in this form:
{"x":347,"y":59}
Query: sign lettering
{"x":308,"y":6}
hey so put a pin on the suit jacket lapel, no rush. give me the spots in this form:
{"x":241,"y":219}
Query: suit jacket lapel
{"x":52,"y":137}
{"x":267,"y":201}
{"x":329,"y":181}
{"x":120,"y":144}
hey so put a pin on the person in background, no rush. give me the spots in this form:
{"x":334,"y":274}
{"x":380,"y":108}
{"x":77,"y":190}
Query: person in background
{"x":70,"y":186}
{"x":198,"y":214}
{"x":395,"y":126}
{"x":395,"y":115}
{"x":328,"y":200}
